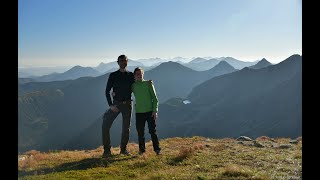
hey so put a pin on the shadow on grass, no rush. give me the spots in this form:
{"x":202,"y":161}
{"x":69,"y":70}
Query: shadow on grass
{"x":78,"y":165}
{"x":176,"y":160}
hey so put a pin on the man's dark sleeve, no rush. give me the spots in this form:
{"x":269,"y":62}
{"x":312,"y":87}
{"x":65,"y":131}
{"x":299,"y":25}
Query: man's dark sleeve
{"x":132,"y":78}
{"x":108,"y":89}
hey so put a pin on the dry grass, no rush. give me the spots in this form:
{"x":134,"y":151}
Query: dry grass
{"x":182,"y":158}
{"x":264,"y":138}
{"x":37,"y":159}
{"x":198,"y":146}
{"x":218,"y":147}
{"x":132,"y":147}
{"x":297,"y":155}
{"x":228,"y":140}
{"x":185,"y":152}
{"x":282,"y":140}
{"x":236,"y":171}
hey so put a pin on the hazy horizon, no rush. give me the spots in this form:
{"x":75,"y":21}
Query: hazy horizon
{"x":68,"y":33}
{"x":169,"y":59}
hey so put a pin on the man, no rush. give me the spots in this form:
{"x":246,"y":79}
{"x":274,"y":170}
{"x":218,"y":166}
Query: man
{"x":120,"y":81}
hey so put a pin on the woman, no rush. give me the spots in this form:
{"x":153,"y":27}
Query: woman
{"x":146,"y":110}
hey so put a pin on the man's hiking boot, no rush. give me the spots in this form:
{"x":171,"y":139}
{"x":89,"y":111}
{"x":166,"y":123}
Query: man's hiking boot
{"x":106,"y":154}
{"x":158,"y":152}
{"x":125,"y":152}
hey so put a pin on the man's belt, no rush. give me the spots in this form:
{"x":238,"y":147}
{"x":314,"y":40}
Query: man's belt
{"x":123,"y":102}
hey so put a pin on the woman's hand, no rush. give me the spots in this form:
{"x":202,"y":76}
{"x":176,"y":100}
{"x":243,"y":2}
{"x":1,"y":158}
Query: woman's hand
{"x":154,"y":115}
{"x":114,"y":108}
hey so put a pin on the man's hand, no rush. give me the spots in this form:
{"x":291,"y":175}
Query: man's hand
{"x":154,"y":115}
{"x":114,"y":108}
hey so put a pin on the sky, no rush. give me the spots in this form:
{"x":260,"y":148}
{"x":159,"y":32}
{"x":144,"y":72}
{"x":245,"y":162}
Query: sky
{"x":87,"y":32}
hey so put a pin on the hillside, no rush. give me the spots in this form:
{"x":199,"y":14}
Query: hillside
{"x":182,"y":158}
{"x":34,"y":117}
{"x":73,"y":110}
{"x":250,"y":102}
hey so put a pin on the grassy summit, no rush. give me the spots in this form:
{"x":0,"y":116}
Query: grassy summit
{"x":182,"y":158}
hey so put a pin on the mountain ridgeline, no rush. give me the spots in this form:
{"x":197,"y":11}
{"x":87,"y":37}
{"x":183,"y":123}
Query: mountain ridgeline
{"x":71,"y":74}
{"x":201,"y":64}
{"x":172,"y":79}
{"x":225,"y":102}
{"x":251,"y":102}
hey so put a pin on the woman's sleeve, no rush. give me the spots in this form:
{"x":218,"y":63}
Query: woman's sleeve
{"x":155,"y":101}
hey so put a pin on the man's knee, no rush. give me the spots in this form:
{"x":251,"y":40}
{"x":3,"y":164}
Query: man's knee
{"x":140,"y":132}
{"x":152,"y":131}
{"x":106,"y":124}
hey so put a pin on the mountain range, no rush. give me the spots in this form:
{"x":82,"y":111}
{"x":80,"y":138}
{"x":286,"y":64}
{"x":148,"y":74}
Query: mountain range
{"x":46,"y":74}
{"x":84,"y":100}
{"x":71,"y":74}
{"x":74,"y":118}
{"x":250,"y":102}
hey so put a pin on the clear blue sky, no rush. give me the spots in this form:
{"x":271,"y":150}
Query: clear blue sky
{"x":87,"y":32}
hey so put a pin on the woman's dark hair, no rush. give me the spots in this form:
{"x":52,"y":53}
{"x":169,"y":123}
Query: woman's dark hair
{"x":137,"y":69}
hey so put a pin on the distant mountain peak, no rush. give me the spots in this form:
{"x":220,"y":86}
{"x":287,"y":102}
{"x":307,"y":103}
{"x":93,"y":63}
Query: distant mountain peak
{"x":223,"y":64}
{"x":228,"y":57}
{"x":171,"y":65}
{"x":197,"y":60}
{"x":80,"y":69}
{"x":76,"y":67}
{"x":261,"y":64}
